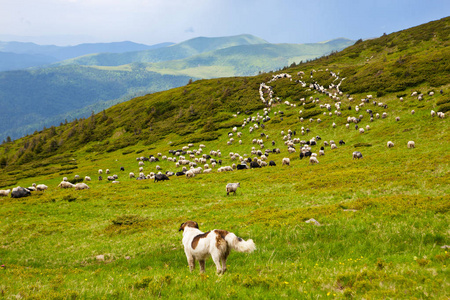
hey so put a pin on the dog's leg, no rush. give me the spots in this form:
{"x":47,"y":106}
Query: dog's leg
{"x":216,"y":258}
{"x":202,"y":266}
{"x":191,"y":262}
{"x":224,"y":262}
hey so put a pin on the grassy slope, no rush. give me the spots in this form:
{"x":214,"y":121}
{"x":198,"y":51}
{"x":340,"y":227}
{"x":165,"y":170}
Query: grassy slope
{"x":389,"y":247}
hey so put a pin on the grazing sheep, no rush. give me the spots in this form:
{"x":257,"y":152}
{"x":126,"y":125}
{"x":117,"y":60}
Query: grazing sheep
{"x":107,"y":171}
{"x":5,"y":193}
{"x":313,"y":160}
{"x":77,"y":177}
{"x":161,"y":177}
{"x":286,"y":161}
{"x":41,"y":187}
{"x":81,"y":186}
{"x":232,"y":187}
{"x":397,"y":119}
{"x":333,"y":146}
{"x":65,"y":185}
{"x":141,"y":163}
{"x":357,"y":155}
{"x":440,"y":114}
{"x":87,"y":178}
{"x":411,"y":145}
{"x":100,"y":171}
{"x":390,"y":144}
{"x":19,"y":192}
{"x":131,"y":175}
{"x":413,"y":112}
{"x":433,"y":113}
{"x":100,"y":178}
{"x":190,"y":174}
{"x":361,"y":130}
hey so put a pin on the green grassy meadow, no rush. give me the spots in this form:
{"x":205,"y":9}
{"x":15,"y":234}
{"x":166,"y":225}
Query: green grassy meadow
{"x":384,"y":219}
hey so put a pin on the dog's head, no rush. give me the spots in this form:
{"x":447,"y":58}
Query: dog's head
{"x":188,"y":224}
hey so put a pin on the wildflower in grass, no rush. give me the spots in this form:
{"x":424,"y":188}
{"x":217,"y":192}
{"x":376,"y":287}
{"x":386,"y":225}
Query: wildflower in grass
{"x":328,"y":294}
{"x":286,"y":282}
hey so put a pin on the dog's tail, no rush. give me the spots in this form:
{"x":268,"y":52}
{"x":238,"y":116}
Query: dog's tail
{"x":239,"y":244}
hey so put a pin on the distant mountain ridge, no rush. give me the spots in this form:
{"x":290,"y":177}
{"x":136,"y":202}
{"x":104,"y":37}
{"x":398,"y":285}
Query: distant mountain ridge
{"x":178,"y":51}
{"x":18,"y":55}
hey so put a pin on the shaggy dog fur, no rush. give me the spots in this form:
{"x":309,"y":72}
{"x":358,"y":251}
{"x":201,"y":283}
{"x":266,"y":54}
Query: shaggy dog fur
{"x":217,"y":243}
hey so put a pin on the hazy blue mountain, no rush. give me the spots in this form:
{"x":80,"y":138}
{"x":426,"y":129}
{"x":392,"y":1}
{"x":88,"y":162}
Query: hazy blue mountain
{"x":37,"y":96}
{"x":32,"y":55}
{"x":178,"y":51}
{"x":16,"y":61}
{"x":248,"y":59}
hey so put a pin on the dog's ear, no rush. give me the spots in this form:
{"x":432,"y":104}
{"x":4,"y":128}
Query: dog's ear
{"x":182,"y":227}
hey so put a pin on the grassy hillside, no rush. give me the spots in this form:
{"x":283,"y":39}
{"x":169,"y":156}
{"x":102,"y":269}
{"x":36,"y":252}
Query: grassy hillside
{"x":383,"y":219}
{"x":70,"y":89}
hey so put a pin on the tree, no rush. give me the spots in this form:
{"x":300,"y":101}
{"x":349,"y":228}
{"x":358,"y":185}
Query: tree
{"x":8,"y":139}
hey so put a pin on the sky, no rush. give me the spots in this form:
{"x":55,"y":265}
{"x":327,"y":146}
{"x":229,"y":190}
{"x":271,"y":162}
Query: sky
{"x":71,"y":22}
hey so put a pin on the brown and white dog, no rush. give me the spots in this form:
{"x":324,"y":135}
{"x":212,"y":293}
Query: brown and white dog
{"x":217,"y":243}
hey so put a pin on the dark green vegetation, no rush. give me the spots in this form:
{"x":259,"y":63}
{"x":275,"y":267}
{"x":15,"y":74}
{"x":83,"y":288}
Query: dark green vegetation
{"x":384,"y":218}
{"x":33,"y":99}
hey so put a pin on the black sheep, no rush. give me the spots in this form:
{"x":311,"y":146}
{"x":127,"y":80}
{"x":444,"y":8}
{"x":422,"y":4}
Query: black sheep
{"x":20,"y":192}
{"x":254,"y":164}
{"x":272,"y":163}
{"x":160,"y":177}
{"x":241,"y":167}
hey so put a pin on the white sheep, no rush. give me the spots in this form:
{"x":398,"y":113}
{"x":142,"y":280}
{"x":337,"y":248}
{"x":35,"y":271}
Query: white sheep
{"x":433,"y":113}
{"x":190,"y":174}
{"x":100,"y":171}
{"x":286,"y":161}
{"x":87,"y":178}
{"x":411,"y":145}
{"x":107,"y":171}
{"x":357,"y":155}
{"x":390,"y":144}
{"x":333,"y":146}
{"x":207,"y":170}
{"x":5,"y":193}
{"x":440,"y":114}
{"x":81,"y":186}
{"x":397,"y":119}
{"x":232,"y":187}
{"x":131,"y":175}
{"x":313,"y":160}
{"x":141,"y":163}
{"x":361,"y":130}
{"x":65,"y":185}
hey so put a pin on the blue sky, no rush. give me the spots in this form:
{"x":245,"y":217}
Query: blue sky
{"x":70,"y":22}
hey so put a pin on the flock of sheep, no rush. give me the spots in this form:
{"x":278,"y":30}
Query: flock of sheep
{"x":194,"y":162}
